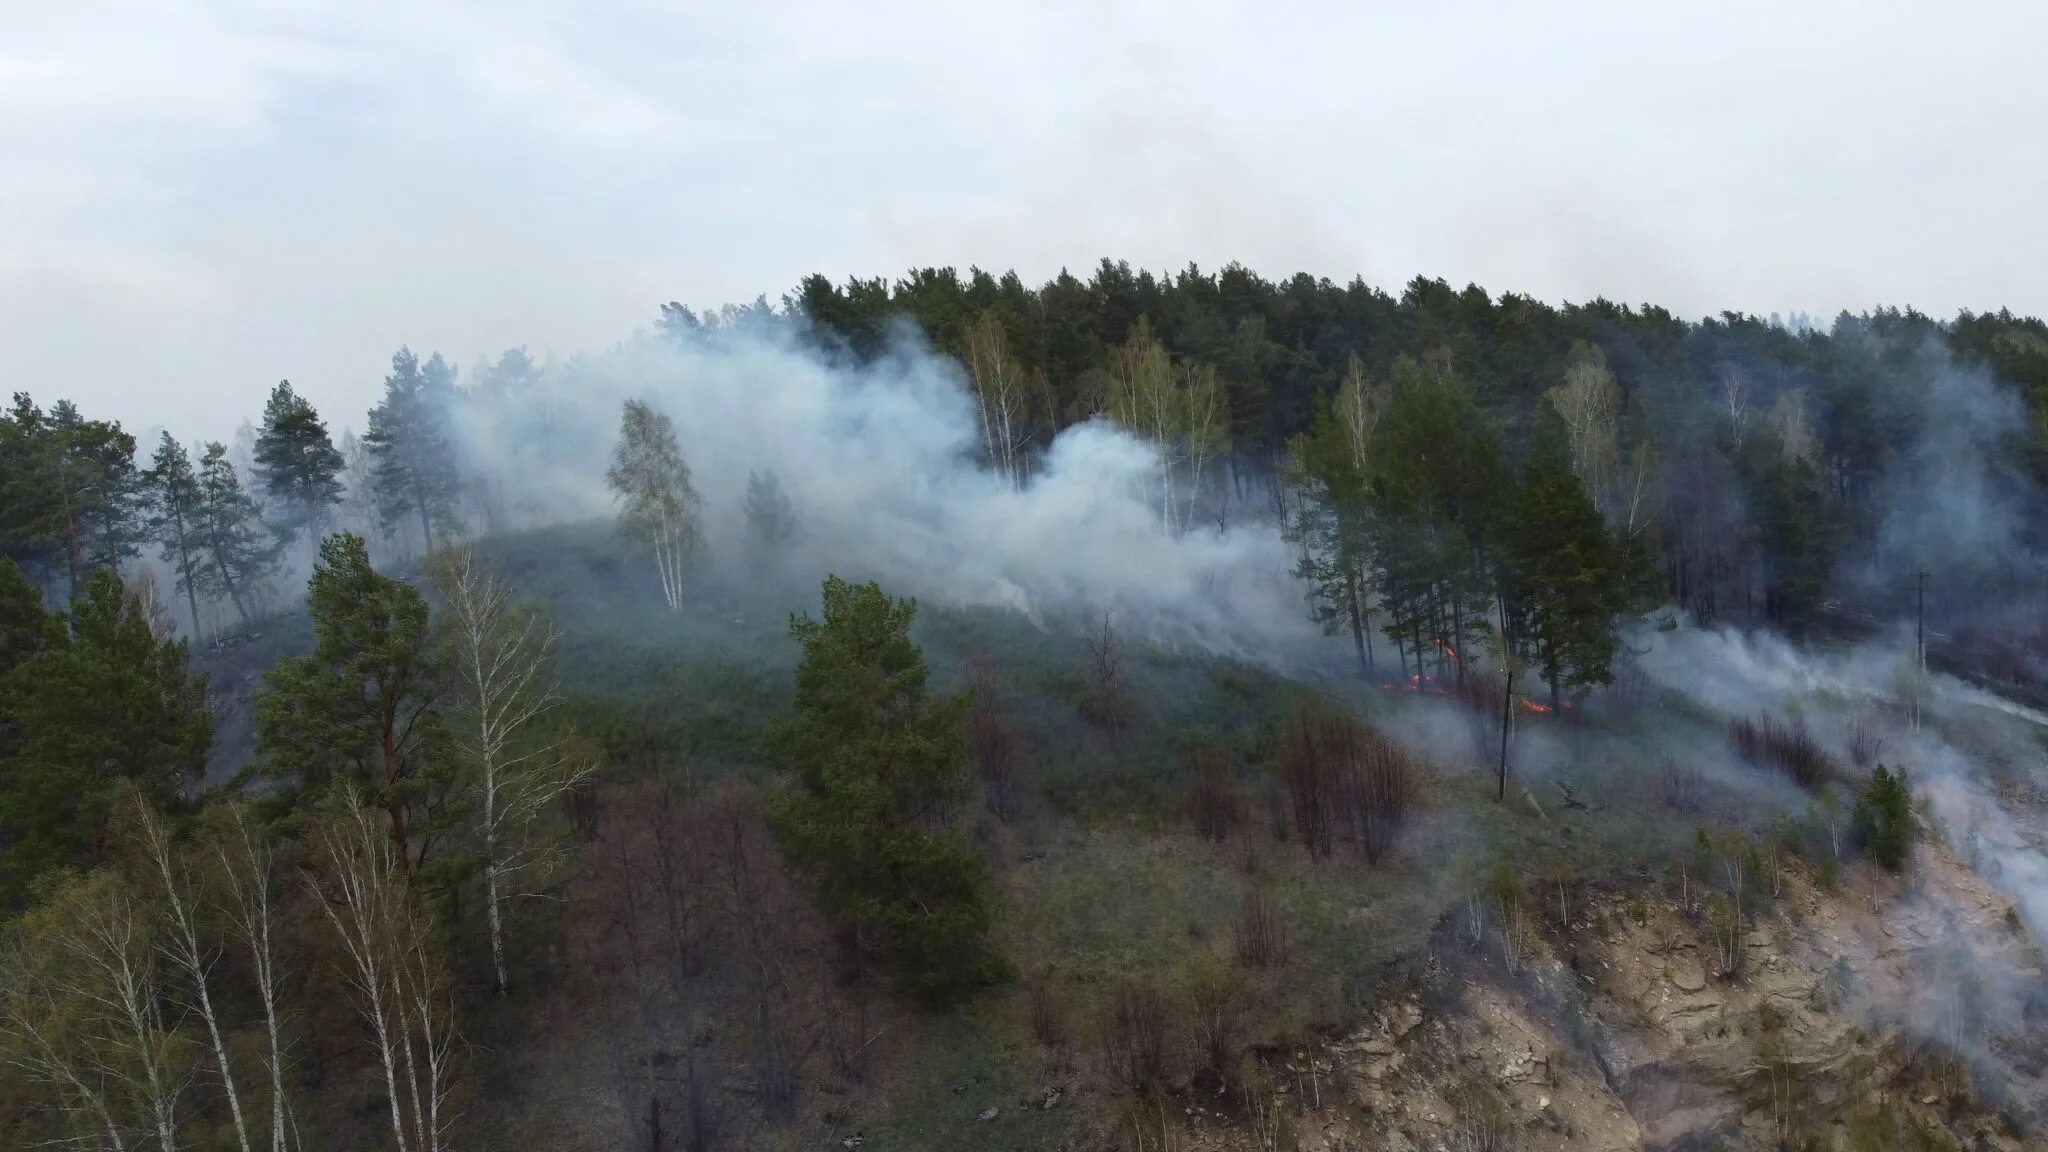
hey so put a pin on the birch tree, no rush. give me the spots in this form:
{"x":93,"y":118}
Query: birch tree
{"x":1589,"y":400}
{"x":502,"y":656}
{"x":1179,"y":409}
{"x":658,"y":505}
{"x":248,"y":899}
{"x":1001,"y":393}
{"x":84,"y":1013}
{"x":181,"y":945}
{"x":394,"y":977}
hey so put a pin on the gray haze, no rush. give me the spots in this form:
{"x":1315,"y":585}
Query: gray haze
{"x":197,"y":199}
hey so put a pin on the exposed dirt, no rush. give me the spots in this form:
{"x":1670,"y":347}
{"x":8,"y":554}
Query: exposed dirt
{"x":1621,"y":1032}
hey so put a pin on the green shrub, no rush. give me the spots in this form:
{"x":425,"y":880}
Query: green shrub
{"x":1884,"y":818}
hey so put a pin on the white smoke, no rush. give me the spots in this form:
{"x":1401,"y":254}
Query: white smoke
{"x":882,"y":466}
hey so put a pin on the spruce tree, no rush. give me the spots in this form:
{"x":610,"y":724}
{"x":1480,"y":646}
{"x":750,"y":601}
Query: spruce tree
{"x":297,"y":463}
{"x":874,"y":763}
{"x":174,"y":520}
{"x":238,"y":554}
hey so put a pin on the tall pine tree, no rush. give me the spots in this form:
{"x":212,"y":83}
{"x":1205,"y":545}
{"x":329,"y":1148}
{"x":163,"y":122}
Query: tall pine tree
{"x":413,"y":473}
{"x":1569,"y":579}
{"x":174,"y":520}
{"x":363,"y":704}
{"x":239,"y":554}
{"x":297,"y":463}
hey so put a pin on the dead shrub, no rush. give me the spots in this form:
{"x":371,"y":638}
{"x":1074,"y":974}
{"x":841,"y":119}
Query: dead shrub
{"x":1679,"y":787}
{"x":1345,"y":783}
{"x":1105,"y":696}
{"x":1135,"y":1036}
{"x":1478,"y":695}
{"x":992,"y":738}
{"x":1867,"y":743}
{"x":1257,"y":937}
{"x":1213,"y":799}
{"x":1786,"y":747}
{"x":1217,"y":1003}
{"x":1048,"y":1017}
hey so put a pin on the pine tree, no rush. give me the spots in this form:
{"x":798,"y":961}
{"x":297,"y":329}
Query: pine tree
{"x":174,"y":520}
{"x":1334,"y":522}
{"x":72,"y":484}
{"x":651,"y":481}
{"x":414,"y":474}
{"x":875,"y":763}
{"x":29,"y":527}
{"x":1883,"y":819}
{"x":238,"y":554}
{"x":769,"y":515}
{"x":297,"y":463}
{"x":362,"y":705}
{"x":1568,"y":575}
{"x":99,"y":700}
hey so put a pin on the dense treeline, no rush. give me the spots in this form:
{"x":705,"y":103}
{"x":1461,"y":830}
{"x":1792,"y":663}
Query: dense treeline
{"x":1663,"y":410}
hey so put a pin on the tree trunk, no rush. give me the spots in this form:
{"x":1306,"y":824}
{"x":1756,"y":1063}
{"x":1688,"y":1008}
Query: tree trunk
{"x":1507,"y":718}
{"x":185,"y":575}
{"x":492,"y":898}
{"x":394,"y":770}
{"x":71,"y":547}
{"x":1358,"y":626}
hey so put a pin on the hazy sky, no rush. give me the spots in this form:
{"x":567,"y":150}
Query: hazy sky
{"x":197,"y":199}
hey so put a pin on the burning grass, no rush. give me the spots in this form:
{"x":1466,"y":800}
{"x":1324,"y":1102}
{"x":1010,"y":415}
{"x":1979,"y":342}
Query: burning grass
{"x":1786,"y":747}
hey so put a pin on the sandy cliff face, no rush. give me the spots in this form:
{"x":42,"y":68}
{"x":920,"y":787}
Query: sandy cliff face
{"x":1878,"y":1015}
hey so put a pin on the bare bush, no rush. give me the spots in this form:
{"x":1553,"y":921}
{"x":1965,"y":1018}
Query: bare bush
{"x":1679,"y":787}
{"x":1048,"y":1017}
{"x":1784,"y":746}
{"x":1213,"y":799}
{"x":1485,"y":1122}
{"x":1346,"y":783}
{"x":1478,"y":694}
{"x":1258,"y":939}
{"x":992,"y":737}
{"x":1216,"y":1009}
{"x":1867,"y":743}
{"x":1135,"y":1035}
{"x":1384,"y":781}
{"x":1105,"y":696}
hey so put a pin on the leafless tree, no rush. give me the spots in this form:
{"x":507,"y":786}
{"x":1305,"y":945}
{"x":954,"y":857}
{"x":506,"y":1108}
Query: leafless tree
{"x":398,"y":983}
{"x":84,"y":1009}
{"x":502,"y":656}
{"x":1105,"y":697}
{"x":992,"y":737}
{"x":181,"y":944}
{"x":249,"y":900}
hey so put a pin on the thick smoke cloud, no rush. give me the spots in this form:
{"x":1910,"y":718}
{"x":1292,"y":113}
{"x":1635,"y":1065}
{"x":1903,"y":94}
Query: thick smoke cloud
{"x":1953,"y":503}
{"x":881,"y":464}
